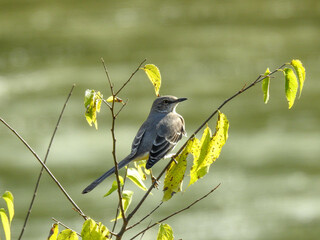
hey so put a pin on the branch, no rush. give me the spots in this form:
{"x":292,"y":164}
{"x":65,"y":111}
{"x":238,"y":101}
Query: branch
{"x":177,"y":212}
{"x":130,"y":77}
{"x":47,"y":169}
{"x":123,"y":105}
{"x":259,"y":79}
{"x":132,"y":226}
{"x":45,"y":160}
{"x":114,"y":140}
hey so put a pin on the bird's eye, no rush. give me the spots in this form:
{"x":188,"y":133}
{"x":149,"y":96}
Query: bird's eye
{"x":165,"y":101}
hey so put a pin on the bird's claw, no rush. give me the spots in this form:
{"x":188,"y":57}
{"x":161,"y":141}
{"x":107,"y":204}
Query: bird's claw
{"x":155,"y":182}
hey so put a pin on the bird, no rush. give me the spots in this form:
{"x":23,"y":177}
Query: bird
{"x":156,"y":137}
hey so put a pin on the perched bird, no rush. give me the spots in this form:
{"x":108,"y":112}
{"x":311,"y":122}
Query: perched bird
{"x":157,"y":136}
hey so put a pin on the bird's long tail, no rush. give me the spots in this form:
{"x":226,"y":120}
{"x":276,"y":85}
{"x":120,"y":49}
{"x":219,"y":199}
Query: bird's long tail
{"x":96,"y":182}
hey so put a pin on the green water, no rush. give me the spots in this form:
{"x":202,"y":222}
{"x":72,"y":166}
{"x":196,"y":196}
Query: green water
{"x":206,"y":51}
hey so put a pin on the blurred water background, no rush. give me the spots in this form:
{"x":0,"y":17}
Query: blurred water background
{"x":206,"y":51}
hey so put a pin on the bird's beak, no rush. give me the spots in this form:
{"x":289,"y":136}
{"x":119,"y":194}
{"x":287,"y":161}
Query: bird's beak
{"x":181,"y":99}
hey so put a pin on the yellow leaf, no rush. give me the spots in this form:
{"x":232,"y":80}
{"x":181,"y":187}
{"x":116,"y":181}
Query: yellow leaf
{"x":141,"y":167}
{"x":265,"y":86}
{"x":154,"y":75}
{"x":165,"y":232}
{"x":117,"y":99}
{"x":291,"y":86}
{"x":126,"y":200}
{"x":93,"y":231}
{"x":5,"y":224}
{"x":54,"y":232}
{"x":206,"y":151}
{"x":175,"y":173}
{"x":114,"y":186}
{"x":301,"y":72}
{"x":67,"y":234}
{"x":8,"y":197}
{"x":92,"y":103}
{"x":136,"y":178}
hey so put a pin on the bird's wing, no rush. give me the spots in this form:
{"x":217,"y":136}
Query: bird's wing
{"x":166,"y":139}
{"x":136,"y":141}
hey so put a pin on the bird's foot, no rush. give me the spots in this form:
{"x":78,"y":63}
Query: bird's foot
{"x":155,"y":182}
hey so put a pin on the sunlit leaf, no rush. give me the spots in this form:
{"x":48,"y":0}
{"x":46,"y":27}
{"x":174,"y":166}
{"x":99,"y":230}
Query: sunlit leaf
{"x":117,"y":99}
{"x":135,"y":177}
{"x":93,"y":231}
{"x":266,"y":86}
{"x":154,"y":75}
{"x":8,"y":197}
{"x":175,"y":173}
{"x":67,"y":234}
{"x":53,"y":234}
{"x":126,"y":200}
{"x":291,"y":86}
{"x":141,"y":167}
{"x":114,"y":186}
{"x":165,"y":232}
{"x":301,"y":72}
{"x":87,"y":227}
{"x":208,"y":149}
{"x":92,"y":103}
{"x":5,"y":224}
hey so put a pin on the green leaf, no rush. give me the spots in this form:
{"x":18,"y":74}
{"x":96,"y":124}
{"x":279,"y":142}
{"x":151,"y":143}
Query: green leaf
{"x":206,"y":151}
{"x":165,"y":232}
{"x":154,"y":75}
{"x":126,"y":200}
{"x":53,"y":234}
{"x":92,"y":103}
{"x":8,"y":197}
{"x":114,"y":186}
{"x":67,"y":234}
{"x":93,"y":231}
{"x":136,"y":178}
{"x":5,"y":224}
{"x":175,"y":173}
{"x":266,"y":86}
{"x":291,"y":86}
{"x":301,"y":72}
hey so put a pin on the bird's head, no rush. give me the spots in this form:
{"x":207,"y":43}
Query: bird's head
{"x":166,"y":104}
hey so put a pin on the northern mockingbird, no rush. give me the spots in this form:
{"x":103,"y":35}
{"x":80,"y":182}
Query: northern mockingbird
{"x":157,"y":136}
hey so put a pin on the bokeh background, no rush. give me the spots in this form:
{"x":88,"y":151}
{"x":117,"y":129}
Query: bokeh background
{"x":206,"y":51}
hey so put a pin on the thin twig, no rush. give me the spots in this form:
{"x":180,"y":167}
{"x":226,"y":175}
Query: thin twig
{"x":123,"y":105}
{"x":145,"y":232}
{"x":114,"y":141}
{"x":46,"y":168}
{"x":177,"y":212}
{"x":145,"y":217}
{"x":130,"y":77}
{"x":108,"y":77}
{"x":45,"y":160}
{"x":65,"y":226}
{"x":104,"y":101}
